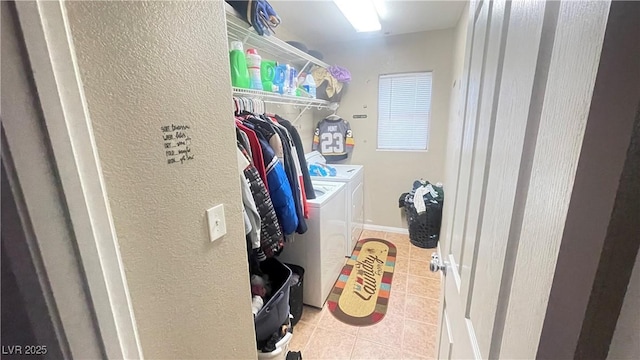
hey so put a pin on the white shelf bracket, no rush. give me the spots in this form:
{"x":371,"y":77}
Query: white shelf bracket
{"x":305,"y":66}
{"x":246,"y":37}
{"x":307,"y":107}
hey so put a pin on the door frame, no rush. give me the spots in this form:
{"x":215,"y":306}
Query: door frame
{"x":65,"y":123}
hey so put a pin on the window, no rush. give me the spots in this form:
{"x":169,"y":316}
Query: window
{"x":404,"y":111}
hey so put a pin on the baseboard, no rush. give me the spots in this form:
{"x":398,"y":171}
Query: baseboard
{"x":390,"y":229}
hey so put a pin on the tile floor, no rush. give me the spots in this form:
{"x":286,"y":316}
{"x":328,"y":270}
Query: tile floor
{"x":408,"y":330}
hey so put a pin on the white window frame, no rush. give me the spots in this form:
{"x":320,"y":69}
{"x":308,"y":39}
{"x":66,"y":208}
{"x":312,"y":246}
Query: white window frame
{"x":428,"y":122}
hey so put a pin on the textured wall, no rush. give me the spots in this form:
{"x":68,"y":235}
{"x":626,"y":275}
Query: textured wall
{"x":145,"y":65}
{"x":390,"y":173}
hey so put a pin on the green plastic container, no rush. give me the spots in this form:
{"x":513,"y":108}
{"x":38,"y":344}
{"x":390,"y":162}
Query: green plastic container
{"x":238,"y":61}
{"x":268,"y":73}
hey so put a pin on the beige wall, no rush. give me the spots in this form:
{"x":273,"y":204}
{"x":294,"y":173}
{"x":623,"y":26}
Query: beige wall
{"x":456,"y":118}
{"x":390,"y":173}
{"x":626,"y":338}
{"x":150,"y":64}
{"x":456,"y":108}
{"x":305,"y":124}
{"x":460,"y":44}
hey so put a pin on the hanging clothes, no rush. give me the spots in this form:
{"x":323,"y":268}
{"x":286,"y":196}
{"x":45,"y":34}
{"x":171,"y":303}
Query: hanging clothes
{"x":271,"y":237}
{"x":333,"y":138}
{"x":280,"y":190}
{"x":292,"y":175}
{"x":244,"y":140}
{"x":295,"y":136}
{"x":252,"y":217}
{"x":278,"y":183}
{"x":256,"y":153}
{"x":295,"y":172}
{"x":266,"y":129}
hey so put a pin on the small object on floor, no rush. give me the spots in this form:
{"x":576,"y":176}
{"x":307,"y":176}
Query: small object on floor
{"x":294,"y":355}
{"x":361,"y":293}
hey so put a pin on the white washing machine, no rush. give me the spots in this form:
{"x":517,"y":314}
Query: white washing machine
{"x":353,"y":177}
{"x":320,"y":251}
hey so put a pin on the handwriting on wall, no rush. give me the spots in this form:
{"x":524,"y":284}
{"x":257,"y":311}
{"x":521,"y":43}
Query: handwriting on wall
{"x":177,"y":143}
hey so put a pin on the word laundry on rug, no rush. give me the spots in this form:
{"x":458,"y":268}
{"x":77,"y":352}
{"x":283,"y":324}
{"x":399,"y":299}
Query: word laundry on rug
{"x":361,"y":294}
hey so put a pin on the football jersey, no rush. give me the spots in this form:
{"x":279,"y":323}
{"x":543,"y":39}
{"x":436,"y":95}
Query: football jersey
{"x":333,"y":139}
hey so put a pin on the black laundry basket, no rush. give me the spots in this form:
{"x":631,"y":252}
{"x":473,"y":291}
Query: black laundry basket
{"x":275,"y":311}
{"x":295,"y":295}
{"x":424,"y":228}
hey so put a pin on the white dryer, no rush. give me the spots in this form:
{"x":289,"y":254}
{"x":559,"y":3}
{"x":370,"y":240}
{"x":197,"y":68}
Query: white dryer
{"x":320,"y":251}
{"x":353,"y":177}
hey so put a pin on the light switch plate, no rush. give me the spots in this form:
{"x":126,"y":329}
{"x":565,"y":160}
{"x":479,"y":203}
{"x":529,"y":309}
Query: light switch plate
{"x":217,"y":223}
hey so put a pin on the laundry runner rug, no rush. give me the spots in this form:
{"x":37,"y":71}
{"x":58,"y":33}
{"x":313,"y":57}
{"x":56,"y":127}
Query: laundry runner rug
{"x":361,"y":294}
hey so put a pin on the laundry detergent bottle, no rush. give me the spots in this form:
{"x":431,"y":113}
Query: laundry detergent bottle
{"x":280,"y":78}
{"x":253,"y":63}
{"x":238,"y":62}
{"x":291,"y":82}
{"x":309,"y":85}
{"x":268,"y":74}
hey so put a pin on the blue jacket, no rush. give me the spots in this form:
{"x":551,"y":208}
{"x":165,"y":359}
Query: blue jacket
{"x":279,"y":190}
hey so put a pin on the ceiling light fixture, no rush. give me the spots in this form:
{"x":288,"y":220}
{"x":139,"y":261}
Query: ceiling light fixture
{"x":361,"y":14}
{"x":381,"y":8}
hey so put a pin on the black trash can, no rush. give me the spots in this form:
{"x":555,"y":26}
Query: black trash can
{"x":295,"y":293}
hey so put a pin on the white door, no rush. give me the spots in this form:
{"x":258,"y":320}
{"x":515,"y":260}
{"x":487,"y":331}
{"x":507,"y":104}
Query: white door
{"x":465,"y":177}
{"x":508,"y":43}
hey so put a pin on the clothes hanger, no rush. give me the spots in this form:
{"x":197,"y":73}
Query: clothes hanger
{"x":333,"y":116}
{"x":236,"y":105}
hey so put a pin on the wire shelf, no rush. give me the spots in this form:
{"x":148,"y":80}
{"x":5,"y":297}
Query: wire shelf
{"x":275,"y":98}
{"x":239,"y":30}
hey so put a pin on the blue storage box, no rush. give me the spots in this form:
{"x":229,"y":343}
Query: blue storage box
{"x":275,"y":311}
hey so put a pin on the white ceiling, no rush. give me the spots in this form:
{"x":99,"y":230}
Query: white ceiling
{"x":318,"y":22}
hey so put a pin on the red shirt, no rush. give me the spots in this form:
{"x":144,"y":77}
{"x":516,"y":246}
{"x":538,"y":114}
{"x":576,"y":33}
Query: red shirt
{"x":256,"y":152}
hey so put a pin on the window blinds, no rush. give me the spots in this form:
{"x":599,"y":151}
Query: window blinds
{"x":404,"y":111}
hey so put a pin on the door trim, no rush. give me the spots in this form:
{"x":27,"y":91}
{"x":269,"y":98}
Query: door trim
{"x":52,"y":58}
